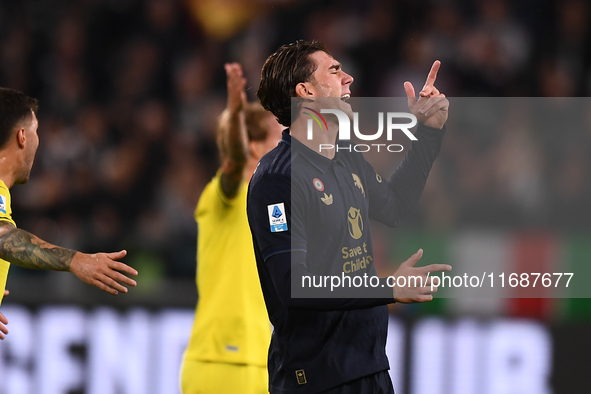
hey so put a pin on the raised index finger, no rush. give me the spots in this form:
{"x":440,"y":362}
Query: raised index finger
{"x":433,"y":73}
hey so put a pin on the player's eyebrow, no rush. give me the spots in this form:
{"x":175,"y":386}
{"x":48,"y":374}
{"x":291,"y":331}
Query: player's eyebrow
{"x":335,"y":67}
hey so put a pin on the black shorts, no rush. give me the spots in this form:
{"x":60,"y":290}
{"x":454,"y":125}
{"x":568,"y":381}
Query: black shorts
{"x":378,"y":383}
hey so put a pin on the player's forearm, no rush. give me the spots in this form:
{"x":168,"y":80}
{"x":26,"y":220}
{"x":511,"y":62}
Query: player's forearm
{"x":26,"y":250}
{"x":233,"y":120}
{"x":236,"y":141}
{"x":283,"y":271}
{"x":409,"y":179}
{"x":235,"y":155}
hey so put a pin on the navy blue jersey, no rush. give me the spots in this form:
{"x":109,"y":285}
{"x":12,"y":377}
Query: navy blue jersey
{"x":309,"y":216}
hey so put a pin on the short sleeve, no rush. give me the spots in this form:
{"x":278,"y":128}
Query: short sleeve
{"x":5,"y":209}
{"x":270,"y":217}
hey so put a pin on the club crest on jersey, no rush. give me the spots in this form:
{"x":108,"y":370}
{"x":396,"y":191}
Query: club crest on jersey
{"x":2,"y":204}
{"x":277,"y":218}
{"x":318,"y":184}
{"x":358,"y":183}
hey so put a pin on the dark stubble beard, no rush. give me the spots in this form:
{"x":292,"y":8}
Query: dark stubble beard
{"x":25,"y":173}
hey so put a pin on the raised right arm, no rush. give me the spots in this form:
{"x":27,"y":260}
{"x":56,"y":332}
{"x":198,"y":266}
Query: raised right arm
{"x":232,"y":133}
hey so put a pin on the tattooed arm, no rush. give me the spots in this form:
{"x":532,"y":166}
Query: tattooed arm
{"x":101,"y":269}
{"x":26,"y":250}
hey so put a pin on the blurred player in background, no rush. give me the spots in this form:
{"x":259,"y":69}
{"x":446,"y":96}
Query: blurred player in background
{"x":331,"y":345}
{"x":18,"y":144}
{"x":227,"y":351}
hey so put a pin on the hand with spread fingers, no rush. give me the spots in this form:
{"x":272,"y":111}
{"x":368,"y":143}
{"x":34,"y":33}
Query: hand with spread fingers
{"x":3,"y":322}
{"x":103,"y":271}
{"x":416,"y":286}
{"x":431,"y":108}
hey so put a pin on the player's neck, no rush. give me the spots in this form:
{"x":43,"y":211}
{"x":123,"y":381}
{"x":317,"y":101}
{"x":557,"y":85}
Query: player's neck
{"x":320,"y":138}
{"x":7,"y":169}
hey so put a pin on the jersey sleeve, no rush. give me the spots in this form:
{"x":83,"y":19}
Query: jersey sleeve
{"x":5,"y":216}
{"x":270,"y":215}
{"x":220,"y":192}
{"x":5,"y":209}
{"x":390,"y":200}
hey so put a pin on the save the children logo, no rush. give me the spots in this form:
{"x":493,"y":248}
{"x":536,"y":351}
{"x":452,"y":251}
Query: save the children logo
{"x":355,"y":223}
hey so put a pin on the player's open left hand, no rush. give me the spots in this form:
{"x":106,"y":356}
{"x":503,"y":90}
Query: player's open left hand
{"x":418,"y":286}
{"x":236,"y":83}
{"x":3,"y":329}
{"x":431,"y":108}
{"x":102,"y":270}
{"x":3,"y":322}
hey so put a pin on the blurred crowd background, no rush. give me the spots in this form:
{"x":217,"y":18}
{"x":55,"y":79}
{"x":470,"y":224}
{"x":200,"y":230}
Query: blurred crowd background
{"x":130,"y":92}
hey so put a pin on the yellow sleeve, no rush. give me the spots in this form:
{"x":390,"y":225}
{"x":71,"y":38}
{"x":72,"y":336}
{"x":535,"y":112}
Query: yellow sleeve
{"x":213,"y":196}
{"x":5,"y":210}
{"x":217,"y":181}
{"x":5,"y":215}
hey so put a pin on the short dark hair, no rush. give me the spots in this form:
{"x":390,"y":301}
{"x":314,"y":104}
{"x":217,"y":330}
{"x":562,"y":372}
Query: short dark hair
{"x":14,"y":107}
{"x":282,"y":71}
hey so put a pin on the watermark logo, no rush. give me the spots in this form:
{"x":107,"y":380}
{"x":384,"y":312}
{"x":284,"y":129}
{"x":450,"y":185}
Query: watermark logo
{"x":392,"y":121}
{"x":315,"y":117}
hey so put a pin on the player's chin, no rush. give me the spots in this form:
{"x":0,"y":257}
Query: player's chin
{"x":346,"y":108}
{"x":22,"y":179}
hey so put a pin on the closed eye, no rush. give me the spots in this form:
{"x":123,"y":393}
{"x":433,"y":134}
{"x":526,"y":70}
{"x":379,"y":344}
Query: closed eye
{"x":335,"y":68}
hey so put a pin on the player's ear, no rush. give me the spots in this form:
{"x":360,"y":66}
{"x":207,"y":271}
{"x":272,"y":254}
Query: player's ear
{"x":21,"y":139}
{"x":302,"y":89}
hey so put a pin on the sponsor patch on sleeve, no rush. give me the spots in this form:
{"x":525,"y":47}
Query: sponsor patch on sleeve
{"x":2,"y":204}
{"x":277,"y":218}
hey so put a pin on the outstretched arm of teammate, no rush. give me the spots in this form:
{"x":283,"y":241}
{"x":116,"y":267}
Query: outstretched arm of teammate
{"x":100,"y":269}
{"x":3,"y":322}
{"x":233,"y":136}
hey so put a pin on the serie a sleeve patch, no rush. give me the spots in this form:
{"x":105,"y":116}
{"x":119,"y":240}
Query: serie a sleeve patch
{"x":3,"y":204}
{"x":277,"y":218}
